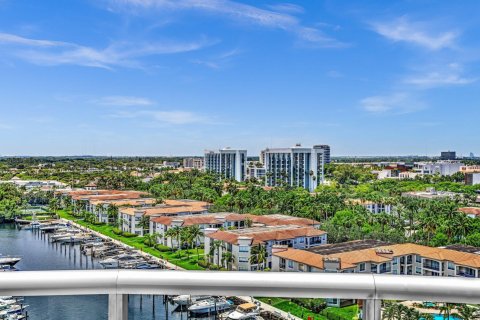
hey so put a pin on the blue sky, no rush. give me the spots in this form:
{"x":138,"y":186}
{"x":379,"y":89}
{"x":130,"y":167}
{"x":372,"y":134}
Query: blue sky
{"x":175,"y":77}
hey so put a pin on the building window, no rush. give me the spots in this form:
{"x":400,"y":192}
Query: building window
{"x":362,"y":266}
{"x":290,"y":264}
{"x":418,"y":259}
{"x":243,"y":249}
{"x":242,"y":259}
{"x":418,"y":270}
{"x":451,"y":266}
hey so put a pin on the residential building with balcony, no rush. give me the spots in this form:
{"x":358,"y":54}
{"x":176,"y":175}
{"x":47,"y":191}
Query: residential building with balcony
{"x":443,"y":168}
{"x":131,"y":217}
{"x":399,"y":259}
{"x":223,"y":220}
{"x":372,"y":206}
{"x":227,"y":163}
{"x":193,"y":163}
{"x":242,"y":243}
{"x":296,"y":166}
{"x":100,"y":207}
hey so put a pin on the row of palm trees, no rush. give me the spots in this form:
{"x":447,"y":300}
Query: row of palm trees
{"x":189,"y":237}
{"x":397,"y":311}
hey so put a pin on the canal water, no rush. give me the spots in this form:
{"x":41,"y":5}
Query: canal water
{"x":39,"y":254}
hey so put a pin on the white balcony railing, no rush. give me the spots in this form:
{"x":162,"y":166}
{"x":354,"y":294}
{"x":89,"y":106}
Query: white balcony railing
{"x":119,"y":283}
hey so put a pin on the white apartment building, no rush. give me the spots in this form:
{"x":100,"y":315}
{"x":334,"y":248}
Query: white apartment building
{"x":225,"y":220}
{"x":131,"y":217}
{"x":401,"y":259}
{"x":242,"y":243}
{"x":100,"y":207}
{"x":228,"y":163}
{"x":372,"y":206}
{"x":296,"y":166}
{"x":443,"y":168}
{"x":194,"y":163}
{"x":255,"y":172}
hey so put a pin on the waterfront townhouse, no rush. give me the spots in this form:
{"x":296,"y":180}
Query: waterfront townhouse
{"x":402,"y":259}
{"x":101,"y":207}
{"x":85,"y":202}
{"x":296,"y":166}
{"x":227,"y":163}
{"x":131,"y":217}
{"x":376,"y":257}
{"x":242,"y":244}
{"x":223,"y":220}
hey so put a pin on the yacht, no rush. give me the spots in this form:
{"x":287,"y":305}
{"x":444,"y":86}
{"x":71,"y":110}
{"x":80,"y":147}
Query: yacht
{"x":186,"y":299}
{"x":7,"y":260}
{"x":109,"y":263}
{"x":245,"y":311}
{"x":7,"y":268}
{"x":213,"y":305}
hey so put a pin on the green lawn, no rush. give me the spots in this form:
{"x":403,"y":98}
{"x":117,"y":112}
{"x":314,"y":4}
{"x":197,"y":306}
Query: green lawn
{"x":181,"y":258}
{"x":301,"y":312}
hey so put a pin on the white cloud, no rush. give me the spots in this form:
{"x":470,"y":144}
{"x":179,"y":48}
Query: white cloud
{"x":47,"y":52}
{"x":218,"y":61}
{"x":416,"y":33}
{"x":396,"y":103}
{"x":287,"y":8}
{"x":178,"y":117}
{"x":240,"y":12}
{"x":436,"y":79}
{"x":124,"y":101}
{"x":444,"y":76}
{"x":168,"y":117}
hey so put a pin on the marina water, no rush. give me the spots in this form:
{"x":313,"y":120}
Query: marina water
{"x":38,"y":253}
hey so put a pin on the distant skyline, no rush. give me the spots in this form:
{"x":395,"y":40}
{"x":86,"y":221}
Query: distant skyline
{"x":175,"y":77}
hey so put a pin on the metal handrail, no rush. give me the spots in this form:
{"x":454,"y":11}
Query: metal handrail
{"x":119,"y":283}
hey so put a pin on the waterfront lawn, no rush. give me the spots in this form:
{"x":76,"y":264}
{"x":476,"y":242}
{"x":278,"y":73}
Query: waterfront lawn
{"x":182,"y":258}
{"x":330,"y":313}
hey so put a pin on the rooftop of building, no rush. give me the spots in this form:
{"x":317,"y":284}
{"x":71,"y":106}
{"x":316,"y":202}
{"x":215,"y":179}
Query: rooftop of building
{"x":170,"y":207}
{"x":261,"y":234}
{"x":335,"y":248}
{"x":213,"y":218}
{"x":270,"y":220}
{"x":381,"y":254}
{"x":471,"y":210}
{"x":464,"y":248}
{"x":125,"y":202}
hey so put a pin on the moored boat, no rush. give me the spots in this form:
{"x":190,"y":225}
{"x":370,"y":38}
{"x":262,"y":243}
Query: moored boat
{"x":245,"y":311}
{"x":211,"y":306}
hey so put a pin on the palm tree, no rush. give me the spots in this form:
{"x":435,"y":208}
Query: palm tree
{"x":196,"y":233}
{"x":259,"y":256}
{"x":227,"y":259}
{"x":446,"y":310}
{"x":150,"y":239}
{"x":144,"y":223}
{"x":174,"y":233}
{"x":112,"y":213}
{"x":468,"y":313}
{"x":216,"y":247}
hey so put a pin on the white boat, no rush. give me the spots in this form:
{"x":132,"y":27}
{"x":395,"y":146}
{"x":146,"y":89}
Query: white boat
{"x":109,"y":263}
{"x":7,"y":260}
{"x":7,"y":268}
{"x":186,"y":299}
{"x":210,"y":306}
{"x":245,"y":311}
